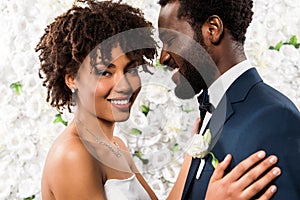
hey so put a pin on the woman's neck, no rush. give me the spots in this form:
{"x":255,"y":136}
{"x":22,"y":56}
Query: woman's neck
{"x":88,"y":122}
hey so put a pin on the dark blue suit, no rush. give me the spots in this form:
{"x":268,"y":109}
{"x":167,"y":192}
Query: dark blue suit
{"x":253,"y":116}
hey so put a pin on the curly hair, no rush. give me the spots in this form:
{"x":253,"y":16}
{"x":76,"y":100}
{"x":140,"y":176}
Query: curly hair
{"x":76,"y":33}
{"x":235,"y":14}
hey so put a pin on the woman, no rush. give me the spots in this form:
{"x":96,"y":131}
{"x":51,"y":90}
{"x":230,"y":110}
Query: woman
{"x":89,"y":58}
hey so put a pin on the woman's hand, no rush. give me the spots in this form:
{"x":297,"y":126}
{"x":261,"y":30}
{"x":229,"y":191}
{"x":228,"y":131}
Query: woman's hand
{"x":245,"y":180}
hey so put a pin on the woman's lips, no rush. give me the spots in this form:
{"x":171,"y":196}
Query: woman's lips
{"x":121,"y":104}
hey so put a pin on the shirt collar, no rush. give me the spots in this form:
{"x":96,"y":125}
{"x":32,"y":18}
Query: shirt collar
{"x":220,"y":86}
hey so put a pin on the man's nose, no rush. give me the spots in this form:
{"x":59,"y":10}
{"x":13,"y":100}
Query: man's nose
{"x":164,"y":57}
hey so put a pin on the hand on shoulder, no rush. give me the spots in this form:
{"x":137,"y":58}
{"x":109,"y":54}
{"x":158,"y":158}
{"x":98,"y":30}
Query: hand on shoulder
{"x":250,"y":177}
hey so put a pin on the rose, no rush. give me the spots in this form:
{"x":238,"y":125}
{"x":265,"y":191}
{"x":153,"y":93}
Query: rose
{"x":199,"y":145}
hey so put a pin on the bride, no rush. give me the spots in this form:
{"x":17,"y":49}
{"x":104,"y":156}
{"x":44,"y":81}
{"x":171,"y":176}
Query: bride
{"x":90,"y":57}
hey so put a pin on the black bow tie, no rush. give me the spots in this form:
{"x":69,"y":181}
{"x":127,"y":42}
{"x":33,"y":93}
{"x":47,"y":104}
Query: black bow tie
{"x":204,"y":104}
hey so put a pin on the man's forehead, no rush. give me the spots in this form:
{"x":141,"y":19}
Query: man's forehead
{"x":168,"y":13}
{"x":168,"y":20}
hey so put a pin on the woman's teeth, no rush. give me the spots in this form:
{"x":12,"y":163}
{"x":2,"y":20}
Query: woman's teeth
{"x":120,"y":102}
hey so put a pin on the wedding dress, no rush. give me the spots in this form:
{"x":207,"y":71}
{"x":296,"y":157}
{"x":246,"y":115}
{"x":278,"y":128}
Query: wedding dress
{"x":125,"y":189}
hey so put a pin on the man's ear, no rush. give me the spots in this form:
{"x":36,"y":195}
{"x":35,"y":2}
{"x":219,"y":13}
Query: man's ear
{"x":70,"y":81}
{"x":214,"y":29}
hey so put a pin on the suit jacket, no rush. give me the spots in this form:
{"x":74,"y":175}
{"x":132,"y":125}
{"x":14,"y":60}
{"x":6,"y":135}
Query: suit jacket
{"x":253,"y":116}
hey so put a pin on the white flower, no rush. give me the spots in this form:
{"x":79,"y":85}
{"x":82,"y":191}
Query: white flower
{"x":290,"y":53}
{"x":27,"y":151}
{"x":158,"y":187}
{"x":169,"y":173}
{"x":292,"y":3}
{"x":7,"y":179}
{"x":150,"y":136}
{"x":33,"y":107}
{"x":27,"y":187}
{"x":173,"y":124}
{"x":160,"y":158}
{"x":199,"y":145}
{"x":271,"y":22}
{"x":138,"y":119}
{"x":157,"y":117}
{"x":156,"y":93}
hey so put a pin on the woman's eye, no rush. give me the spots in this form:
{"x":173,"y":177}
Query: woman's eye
{"x":99,"y":72}
{"x":105,"y":73}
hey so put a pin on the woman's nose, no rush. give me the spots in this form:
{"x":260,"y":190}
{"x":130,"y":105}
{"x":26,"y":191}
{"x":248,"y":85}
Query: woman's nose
{"x":123,"y":85}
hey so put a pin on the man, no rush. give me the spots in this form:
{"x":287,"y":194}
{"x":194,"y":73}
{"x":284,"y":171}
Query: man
{"x":246,"y":114}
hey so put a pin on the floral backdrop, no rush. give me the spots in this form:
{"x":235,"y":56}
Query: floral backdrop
{"x":159,"y":123}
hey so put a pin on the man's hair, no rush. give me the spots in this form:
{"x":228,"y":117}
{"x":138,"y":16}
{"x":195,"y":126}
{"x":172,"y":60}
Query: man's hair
{"x":235,"y":14}
{"x":75,"y":34}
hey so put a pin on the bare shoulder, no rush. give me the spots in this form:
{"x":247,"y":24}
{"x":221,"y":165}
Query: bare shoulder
{"x":66,"y":150}
{"x":70,"y":166}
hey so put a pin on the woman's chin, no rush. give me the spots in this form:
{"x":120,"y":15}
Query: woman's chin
{"x":122,"y":117}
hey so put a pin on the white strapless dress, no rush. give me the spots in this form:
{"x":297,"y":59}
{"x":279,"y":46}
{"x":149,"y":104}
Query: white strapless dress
{"x":125,"y":189}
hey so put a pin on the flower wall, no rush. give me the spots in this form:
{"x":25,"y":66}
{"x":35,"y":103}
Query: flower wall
{"x":159,"y":122}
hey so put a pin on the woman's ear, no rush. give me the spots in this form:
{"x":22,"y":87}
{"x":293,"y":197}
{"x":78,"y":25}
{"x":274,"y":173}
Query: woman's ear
{"x":214,"y":29}
{"x":70,"y":82}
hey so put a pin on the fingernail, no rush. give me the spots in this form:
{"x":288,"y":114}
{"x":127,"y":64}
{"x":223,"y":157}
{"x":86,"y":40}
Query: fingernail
{"x":273,"y":189}
{"x":261,"y":154}
{"x":276,"y":172}
{"x":273,"y":159}
{"x":227,"y":157}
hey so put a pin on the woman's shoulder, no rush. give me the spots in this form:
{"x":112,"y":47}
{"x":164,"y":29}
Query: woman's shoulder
{"x":70,"y":167}
{"x":68,"y":156}
{"x":68,"y":147}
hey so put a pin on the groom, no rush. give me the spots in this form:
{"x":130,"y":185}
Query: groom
{"x":244,"y":114}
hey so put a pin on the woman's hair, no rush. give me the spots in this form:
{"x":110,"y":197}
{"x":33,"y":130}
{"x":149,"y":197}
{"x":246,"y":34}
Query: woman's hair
{"x":75,"y":34}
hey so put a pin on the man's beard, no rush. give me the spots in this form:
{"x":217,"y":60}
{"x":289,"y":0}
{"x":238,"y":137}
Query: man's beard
{"x":191,"y":82}
{"x":191,"y":79}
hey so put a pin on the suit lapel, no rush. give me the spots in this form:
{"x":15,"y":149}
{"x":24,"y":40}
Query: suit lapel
{"x":237,"y":92}
{"x":223,"y":112}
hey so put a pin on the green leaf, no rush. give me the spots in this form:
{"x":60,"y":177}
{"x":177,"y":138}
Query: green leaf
{"x":145,"y":109}
{"x":175,"y":148}
{"x":135,"y":131}
{"x":188,"y":110}
{"x":140,"y":156}
{"x":293,"y":40}
{"x":158,"y":63}
{"x":278,"y":45}
{"x":214,"y":160}
{"x":58,"y":119}
{"x":17,"y":86}
{"x":30,"y":198}
{"x":160,"y":66}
